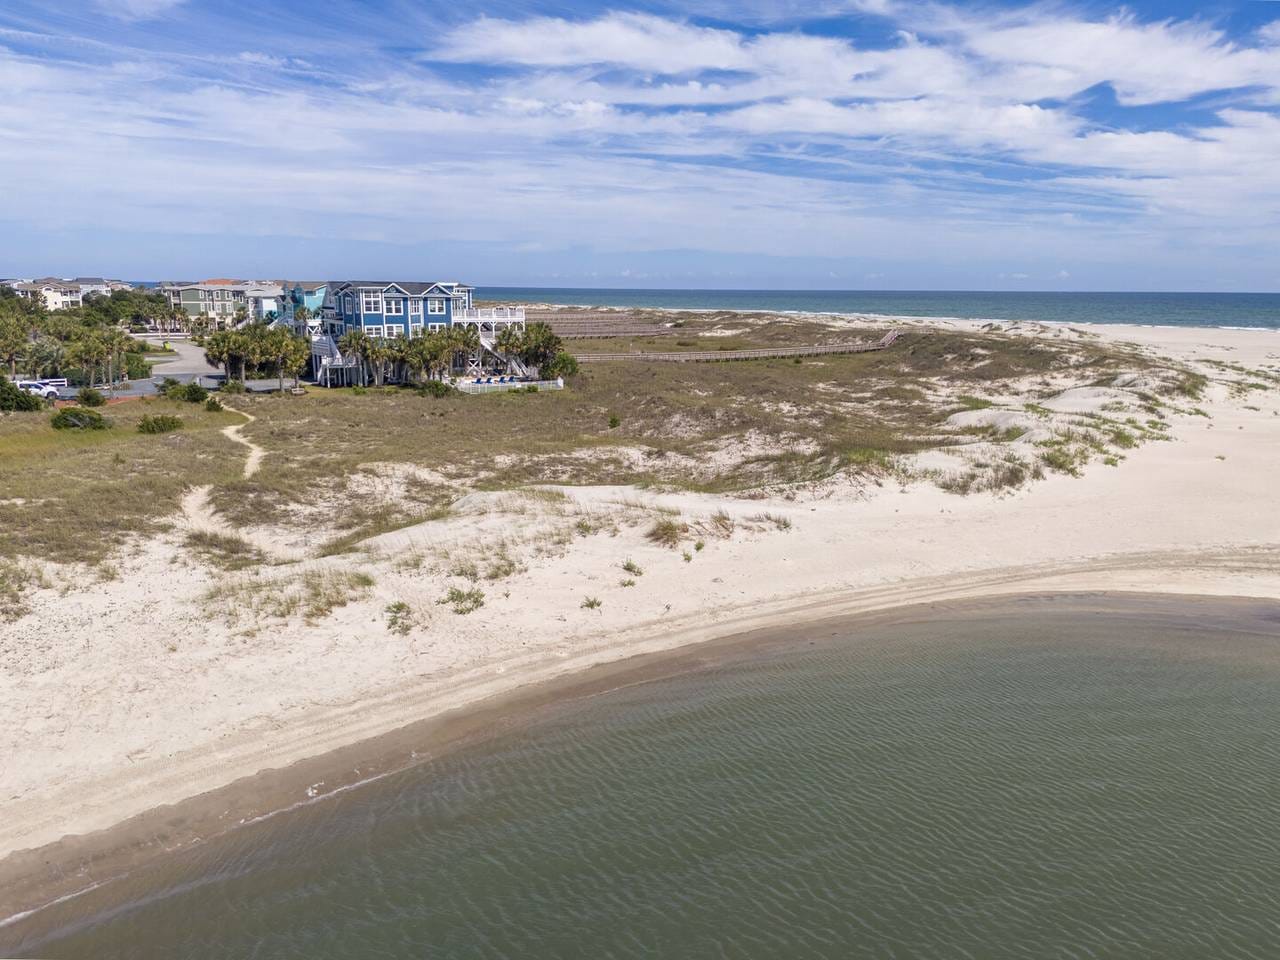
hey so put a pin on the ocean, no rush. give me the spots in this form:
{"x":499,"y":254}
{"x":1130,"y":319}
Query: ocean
{"x":1160,"y":309}
{"x":1048,"y":777}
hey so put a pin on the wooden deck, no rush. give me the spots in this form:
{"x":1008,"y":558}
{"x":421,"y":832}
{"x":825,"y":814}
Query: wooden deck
{"x":766,"y":353}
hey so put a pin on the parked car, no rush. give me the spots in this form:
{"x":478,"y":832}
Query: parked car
{"x":44,"y":390}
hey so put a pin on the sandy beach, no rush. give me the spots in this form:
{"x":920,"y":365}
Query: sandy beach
{"x":129,"y":696}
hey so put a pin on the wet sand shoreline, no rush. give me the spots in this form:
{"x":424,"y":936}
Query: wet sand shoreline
{"x":86,"y":866}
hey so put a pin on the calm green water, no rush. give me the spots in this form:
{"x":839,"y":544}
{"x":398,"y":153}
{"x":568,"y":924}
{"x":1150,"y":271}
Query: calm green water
{"x":1051,"y":779}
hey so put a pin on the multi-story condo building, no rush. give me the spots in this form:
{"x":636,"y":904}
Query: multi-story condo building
{"x":215,"y":300}
{"x":55,"y":294}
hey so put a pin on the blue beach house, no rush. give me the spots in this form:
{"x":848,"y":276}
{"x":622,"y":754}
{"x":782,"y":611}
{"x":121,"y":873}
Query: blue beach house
{"x":387,"y":309}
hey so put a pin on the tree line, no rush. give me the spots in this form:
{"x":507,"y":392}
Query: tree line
{"x":88,"y":343}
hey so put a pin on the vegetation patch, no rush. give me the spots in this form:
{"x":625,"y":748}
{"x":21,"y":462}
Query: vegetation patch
{"x":225,"y":550}
{"x":400,"y":618}
{"x":313,"y":595}
{"x":667,"y":532}
{"x":78,"y":418}
{"x":160,"y":423}
{"x":461,"y":601}
{"x":16,"y":578}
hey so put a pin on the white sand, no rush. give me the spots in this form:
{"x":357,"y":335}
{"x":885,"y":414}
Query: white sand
{"x":133,"y":695}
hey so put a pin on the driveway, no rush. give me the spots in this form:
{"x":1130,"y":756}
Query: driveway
{"x":188,"y":363}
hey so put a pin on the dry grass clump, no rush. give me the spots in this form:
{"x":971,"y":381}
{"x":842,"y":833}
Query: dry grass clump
{"x":771,"y":519}
{"x":667,"y":532}
{"x":16,"y":578}
{"x":227,"y":551}
{"x":313,"y":594}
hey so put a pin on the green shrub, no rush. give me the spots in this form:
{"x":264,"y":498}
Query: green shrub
{"x":136,"y":367}
{"x":194,"y":393}
{"x":233,"y":386}
{"x":563,"y":364}
{"x":590,"y":603}
{"x":78,"y":418}
{"x":432,"y":388}
{"x":614,"y":422}
{"x":359,"y":391}
{"x":212,"y":405}
{"x":89,"y":397}
{"x":11,"y":398}
{"x":160,"y":423}
{"x":176,"y":392}
{"x":463,"y":601}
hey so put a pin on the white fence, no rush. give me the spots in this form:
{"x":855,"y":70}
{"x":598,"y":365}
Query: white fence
{"x":470,"y":386}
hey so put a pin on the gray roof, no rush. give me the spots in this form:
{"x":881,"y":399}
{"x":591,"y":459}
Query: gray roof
{"x":412,"y":287}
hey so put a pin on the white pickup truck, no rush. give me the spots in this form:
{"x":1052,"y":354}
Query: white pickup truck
{"x":41,"y":388}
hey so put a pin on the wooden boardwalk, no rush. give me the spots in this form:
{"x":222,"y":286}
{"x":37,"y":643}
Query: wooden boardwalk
{"x":720,"y":356}
{"x":577,"y":326}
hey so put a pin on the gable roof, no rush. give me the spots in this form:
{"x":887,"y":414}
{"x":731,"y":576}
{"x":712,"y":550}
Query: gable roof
{"x":415,"y":288}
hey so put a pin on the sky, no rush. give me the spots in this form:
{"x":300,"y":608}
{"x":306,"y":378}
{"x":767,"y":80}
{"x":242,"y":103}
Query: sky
{"x":838,"y":144}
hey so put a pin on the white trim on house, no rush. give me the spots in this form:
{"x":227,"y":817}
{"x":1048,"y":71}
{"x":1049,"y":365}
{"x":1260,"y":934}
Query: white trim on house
{"x":435,"y":305}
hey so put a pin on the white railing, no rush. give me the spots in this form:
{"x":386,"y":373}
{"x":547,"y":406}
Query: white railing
{"x":470,"y":386}
{"x":489,"y":313}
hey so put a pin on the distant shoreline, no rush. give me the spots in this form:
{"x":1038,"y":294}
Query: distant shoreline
{"x":1250,"y":311}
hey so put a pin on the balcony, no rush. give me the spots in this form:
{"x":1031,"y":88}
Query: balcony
{"x":488,"y":313}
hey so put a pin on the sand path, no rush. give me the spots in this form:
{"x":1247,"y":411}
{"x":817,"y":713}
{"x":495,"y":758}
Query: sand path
{"x":199,"y":515}
{"x":256,"y":453}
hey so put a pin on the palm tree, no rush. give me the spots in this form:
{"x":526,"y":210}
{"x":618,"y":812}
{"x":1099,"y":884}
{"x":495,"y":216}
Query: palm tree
{"x":465,"y":340}
{"x":357,"y":343}
{"x":218,"y":350}
{"x":14,"y":341}
{"x":117,"y":344}
{"x":287,"y":351}
{"x":415,"y":354}
{"x":440,"y":350}
{"x":88,"y":352}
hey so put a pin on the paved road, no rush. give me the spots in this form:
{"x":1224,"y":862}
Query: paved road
{"x":188,"y":364}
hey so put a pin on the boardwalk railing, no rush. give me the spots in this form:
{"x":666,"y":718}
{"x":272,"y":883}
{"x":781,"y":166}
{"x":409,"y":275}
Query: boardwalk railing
{"x":714,"y":356}
{"x":469,"y":386}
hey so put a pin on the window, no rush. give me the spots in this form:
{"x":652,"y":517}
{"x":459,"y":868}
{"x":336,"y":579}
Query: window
{"x":435,"y":326}
{"x":347,"y":303}
{"x":415,"y":308}
{"x":370,"y":302}
{"x":435,"y":305}
{"x":373,"y":331}
{"x":395,"y":307}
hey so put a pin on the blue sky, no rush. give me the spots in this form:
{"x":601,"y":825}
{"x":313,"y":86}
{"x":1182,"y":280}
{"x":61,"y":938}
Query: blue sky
{"x":843,"y":144}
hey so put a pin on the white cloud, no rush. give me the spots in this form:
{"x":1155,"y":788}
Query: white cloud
{"x":633,"y":132}
{"x":137,"y":9}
